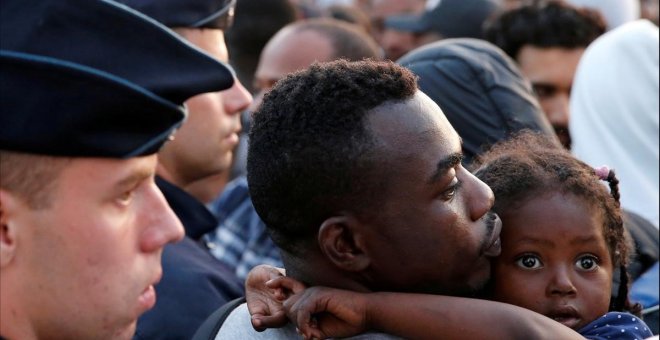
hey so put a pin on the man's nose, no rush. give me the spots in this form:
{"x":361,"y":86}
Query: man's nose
{"x":481,"y":197}
{"x":163,"y":226}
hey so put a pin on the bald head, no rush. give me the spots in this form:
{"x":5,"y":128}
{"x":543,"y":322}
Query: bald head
{"x":298,"y":45}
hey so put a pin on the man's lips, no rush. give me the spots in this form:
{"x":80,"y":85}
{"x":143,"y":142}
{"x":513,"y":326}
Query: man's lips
{"x":493,"y":247}
{"x":147,"y":298}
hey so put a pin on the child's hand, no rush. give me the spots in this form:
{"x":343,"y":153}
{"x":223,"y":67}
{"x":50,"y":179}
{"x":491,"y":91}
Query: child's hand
{"x":263,"y":302}
{"x":324,"y":312}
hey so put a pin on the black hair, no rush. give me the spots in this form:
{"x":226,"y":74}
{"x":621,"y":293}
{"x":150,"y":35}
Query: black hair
{"x":529,"y":165}
{"x":544,"y":24}
{"x":310,"y":152}
{"x":348,"y":40}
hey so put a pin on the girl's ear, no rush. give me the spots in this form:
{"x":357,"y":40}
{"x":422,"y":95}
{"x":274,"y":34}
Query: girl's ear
{"x":341,"y":244}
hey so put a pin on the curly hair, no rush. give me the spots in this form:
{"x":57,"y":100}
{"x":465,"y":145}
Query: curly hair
{"x":530,"y":165}
{"x":544,"y":24}
{"x":310,"y":152}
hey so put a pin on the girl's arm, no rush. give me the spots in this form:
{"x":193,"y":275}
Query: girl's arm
{"x":324,"y":312}
{"x":263,"y":302}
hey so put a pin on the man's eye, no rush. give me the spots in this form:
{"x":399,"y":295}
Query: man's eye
{"x":529,"y":262}
{"x":126,"y":197}
{"x":587,"y":263}
{"x":451,"y":191}
{"x":543,"y":91}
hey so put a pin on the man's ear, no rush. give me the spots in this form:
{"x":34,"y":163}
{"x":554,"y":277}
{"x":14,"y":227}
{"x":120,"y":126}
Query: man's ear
{"x":8,"y":205}
{"x":340,"y":242}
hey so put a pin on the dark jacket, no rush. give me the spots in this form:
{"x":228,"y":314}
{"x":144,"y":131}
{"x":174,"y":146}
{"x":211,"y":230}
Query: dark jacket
{"x":480,"y":90}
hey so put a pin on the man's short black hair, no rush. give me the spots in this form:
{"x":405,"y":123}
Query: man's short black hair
{"x":310,"y":153}
{"x":544,"y":24}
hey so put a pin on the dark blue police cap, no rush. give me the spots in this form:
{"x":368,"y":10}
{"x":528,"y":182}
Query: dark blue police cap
{"x":94,"y":79}
{"x":217,"y":14}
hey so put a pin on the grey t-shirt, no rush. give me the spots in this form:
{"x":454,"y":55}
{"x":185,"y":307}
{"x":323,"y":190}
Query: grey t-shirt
{"x":238,"y":326}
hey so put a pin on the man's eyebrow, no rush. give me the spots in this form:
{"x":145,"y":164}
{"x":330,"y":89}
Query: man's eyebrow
{"x":135,"y":177}
{"x":445,"y":164}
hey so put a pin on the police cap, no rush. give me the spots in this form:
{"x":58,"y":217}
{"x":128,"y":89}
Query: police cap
{"x":95,"y":79}
{"x":216,"y":14}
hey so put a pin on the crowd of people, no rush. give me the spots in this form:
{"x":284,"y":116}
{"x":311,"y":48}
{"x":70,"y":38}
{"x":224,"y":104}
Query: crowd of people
{"x":370,"y":169}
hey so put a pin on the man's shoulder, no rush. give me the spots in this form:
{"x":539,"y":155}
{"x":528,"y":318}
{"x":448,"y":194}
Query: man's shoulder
{"x":238,"y":326}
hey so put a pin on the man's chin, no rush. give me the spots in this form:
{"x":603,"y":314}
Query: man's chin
{"x":127,"y":332}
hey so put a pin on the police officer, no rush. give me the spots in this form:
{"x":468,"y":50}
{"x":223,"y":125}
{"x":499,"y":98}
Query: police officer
{"x":194,"y":283}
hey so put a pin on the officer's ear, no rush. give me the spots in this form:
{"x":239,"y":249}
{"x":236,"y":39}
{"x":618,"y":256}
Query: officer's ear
{"x":342,"y":243}
{"x":9,"y":205}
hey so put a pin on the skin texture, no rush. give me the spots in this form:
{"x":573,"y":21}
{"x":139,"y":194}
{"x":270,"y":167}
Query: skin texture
{"x":551,"y":72}
{"x":435,"y":215}
{"x":90,"y":258}
{"x":204,"y":145}
{"x":555,"y":260}
{"x":287,"y":52}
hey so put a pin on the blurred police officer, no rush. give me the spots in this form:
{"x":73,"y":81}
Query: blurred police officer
{"x":194,"y":283}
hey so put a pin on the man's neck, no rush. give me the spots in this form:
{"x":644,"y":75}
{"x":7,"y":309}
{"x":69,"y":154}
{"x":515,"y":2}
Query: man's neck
{"x":170,"y":176}
{"x":313,"y":270}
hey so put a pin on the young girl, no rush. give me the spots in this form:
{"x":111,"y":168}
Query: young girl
{"x":562,"y":239}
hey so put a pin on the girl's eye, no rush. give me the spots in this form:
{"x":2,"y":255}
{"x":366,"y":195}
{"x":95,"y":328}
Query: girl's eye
{"x":529,"y":262}
{"x":587,"y":263}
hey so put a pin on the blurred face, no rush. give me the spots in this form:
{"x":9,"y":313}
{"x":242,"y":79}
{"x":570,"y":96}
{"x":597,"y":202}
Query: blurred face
{"x":551,"y":71}
{"x":397,"y":43}
{"x":555,"y":261}
{"x":85,"y":266}
{"x":287,"y":52}
{"x":433,"y":233}
{"x":204,"y":145}
{"x":381,"y":9}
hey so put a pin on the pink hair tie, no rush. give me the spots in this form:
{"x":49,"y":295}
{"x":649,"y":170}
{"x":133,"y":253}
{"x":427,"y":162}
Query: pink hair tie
{"x":603,"y":172}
